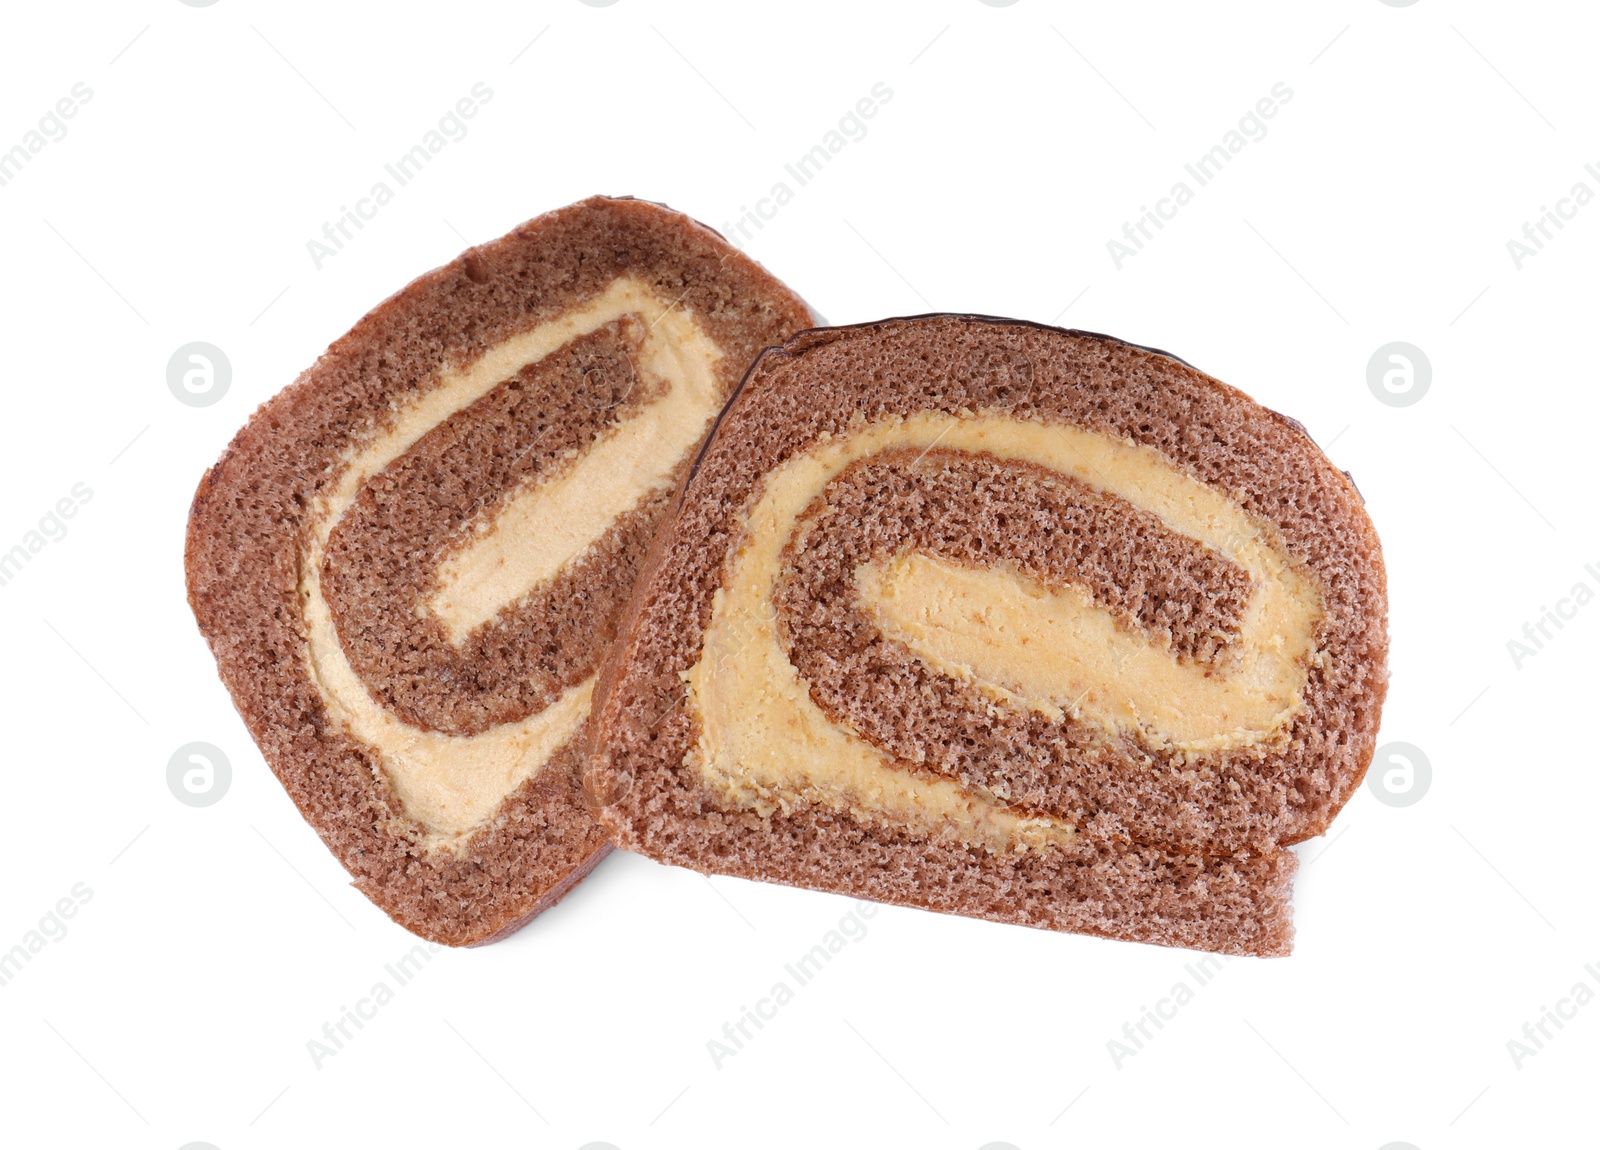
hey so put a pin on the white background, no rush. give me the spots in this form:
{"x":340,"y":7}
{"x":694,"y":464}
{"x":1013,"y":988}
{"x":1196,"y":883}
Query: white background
{"x":1018,"y":140}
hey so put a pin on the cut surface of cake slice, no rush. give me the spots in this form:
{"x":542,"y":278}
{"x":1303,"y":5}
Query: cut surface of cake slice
{"x":1002,"y":620}
{"x":410,"y":563}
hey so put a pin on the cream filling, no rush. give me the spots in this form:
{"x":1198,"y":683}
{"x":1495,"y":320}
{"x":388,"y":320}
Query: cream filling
{"x":1057,"y":651}
{"x":547,"y":524}
{"x":452,"y":784}
{"x":765,"y":745}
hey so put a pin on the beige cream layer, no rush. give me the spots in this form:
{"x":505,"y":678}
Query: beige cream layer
{"x":547,"y":524}
{"x":765,"y":744}
{"x":453,"y":784}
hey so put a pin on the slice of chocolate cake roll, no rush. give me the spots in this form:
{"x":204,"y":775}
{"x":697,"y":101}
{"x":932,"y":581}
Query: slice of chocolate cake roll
{"x":1002,"y":620}
{"x":410,"y":563}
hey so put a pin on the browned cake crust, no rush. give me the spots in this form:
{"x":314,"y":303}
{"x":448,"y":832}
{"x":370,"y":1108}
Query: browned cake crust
{"x":251,"y":523}
{"x":1172,"y":846}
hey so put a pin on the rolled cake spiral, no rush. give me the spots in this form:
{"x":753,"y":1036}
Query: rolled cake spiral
{"x":410,"y":563}
{"x":1003,"y":620}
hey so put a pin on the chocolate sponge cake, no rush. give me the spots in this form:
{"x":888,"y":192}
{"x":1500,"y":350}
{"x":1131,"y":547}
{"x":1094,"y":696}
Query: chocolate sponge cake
{"x":409,"y":563}
{"x":1002,"y":620}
